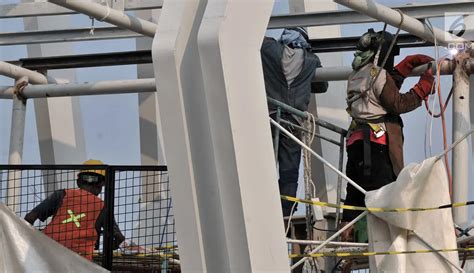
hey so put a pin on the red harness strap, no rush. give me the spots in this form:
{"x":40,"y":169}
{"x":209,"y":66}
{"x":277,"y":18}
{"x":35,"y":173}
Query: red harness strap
{"x":359,"y":135}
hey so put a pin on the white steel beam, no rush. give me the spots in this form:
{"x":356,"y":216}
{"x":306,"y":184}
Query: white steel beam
{"x":325,"y":18}
{"x":16,"y":72}
{"x":242,"y":144}
{"x":65,"y":35}
{"x":107,"y":14}
{"x":405,"y":22}
{"x":17,"y":136}
{"x":42,"y":90}
{"x":185,"y":130}
{"x":47,"y":9}
{"x":154,"y":194}
{"x":58,"y":121}
{"x":342,"y":73}
{"x":461,"y":125}
{"x":72,"y":89}
{"x":151,"y":152}
{"x":300,"y":19}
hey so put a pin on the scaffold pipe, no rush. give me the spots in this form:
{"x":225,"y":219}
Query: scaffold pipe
{"x":109,"y":15}
{"x":342,"y":73}
{"x":74,"y":89}
{"x":461,"y":125}
{"x":17,"y":136}
{"x":308,"y":242}
{"x":41,"y":89}
{"x":16,"y":72}
{"x":405,"y":22}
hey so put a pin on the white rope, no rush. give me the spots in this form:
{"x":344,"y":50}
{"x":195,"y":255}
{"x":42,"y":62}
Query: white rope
{"x":320,"y":158}
{"x":91,"y":32}
{"x":310,"y":125}
{"x":107,"y":13}
{"x":436,"y":50}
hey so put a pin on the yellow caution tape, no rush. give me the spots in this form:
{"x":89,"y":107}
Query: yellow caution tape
{"x":348,"y":207}
{"x":366,"y":254}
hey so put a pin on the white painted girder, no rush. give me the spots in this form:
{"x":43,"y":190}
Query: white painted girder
{"x":108,"y":14}
{"x":58,"y":121}
{"x":176,"y":67}
{"x":241,"y":135}
{"x":398,"y":19}
{"x":461,"y":125}
{"x":46,"y":8}
{"x":301,"y":19}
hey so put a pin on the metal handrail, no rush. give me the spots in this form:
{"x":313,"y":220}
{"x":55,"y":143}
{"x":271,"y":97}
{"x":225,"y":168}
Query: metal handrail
{"x":304,"y":115}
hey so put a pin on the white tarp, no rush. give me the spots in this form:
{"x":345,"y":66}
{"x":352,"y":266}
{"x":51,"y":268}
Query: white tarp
{"x":418,"y":185}
{"x":23,"y":249}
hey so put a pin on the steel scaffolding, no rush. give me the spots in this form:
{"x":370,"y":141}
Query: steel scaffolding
{"x":196,"y":39}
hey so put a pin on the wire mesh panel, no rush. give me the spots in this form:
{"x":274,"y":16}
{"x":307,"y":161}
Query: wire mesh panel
{"x":65,"y":208}
{"x":71,"y":204}
{"x":143,"y":211}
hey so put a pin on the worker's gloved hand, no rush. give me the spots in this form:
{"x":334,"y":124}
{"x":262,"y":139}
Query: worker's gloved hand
{"x":406,"y":66}
{"x":424,"y":86}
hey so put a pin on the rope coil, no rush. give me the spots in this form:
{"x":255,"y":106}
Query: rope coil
{"x":18,"y":91}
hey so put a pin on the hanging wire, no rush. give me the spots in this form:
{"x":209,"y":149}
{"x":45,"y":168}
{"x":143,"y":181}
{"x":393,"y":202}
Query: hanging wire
{"x":92,"y":29}
{"x":436,"y":52}
{"x":441,"y":106}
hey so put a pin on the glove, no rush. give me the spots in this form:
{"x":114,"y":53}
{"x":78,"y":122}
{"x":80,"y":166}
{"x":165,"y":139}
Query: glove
{"x":406,"y":66}
{"x":424,"y":85}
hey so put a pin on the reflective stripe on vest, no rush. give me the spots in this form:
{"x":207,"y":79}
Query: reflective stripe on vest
{"x":74,"y":218}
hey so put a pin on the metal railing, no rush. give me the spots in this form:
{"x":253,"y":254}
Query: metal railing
{"x":282,"y":107}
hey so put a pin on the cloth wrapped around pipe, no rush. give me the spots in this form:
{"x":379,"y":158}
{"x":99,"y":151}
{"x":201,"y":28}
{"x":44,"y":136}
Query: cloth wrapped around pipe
{"x":418,"y":185}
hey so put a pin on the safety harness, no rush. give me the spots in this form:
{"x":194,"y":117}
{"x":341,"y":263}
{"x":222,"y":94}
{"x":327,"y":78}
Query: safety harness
{"x":367,"y":128}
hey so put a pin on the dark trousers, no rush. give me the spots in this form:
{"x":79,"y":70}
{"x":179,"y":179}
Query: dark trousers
{"x":381,"y":174}
{"x":289,"y":156}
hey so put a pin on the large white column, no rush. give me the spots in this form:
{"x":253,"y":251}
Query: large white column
{"x":230,"y":38}
{"x":330,"y":106}
{"x":150,"y":128}
{"x":153,"y":198}
{"x":58,"y":120}
{"x":461,"y":125}
{"x":186,"y":135}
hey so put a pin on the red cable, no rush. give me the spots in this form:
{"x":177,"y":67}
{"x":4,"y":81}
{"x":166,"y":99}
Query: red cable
{"x":443,"y":122}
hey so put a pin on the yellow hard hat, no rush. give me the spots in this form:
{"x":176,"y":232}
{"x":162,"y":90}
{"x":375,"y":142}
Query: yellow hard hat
{"x":93,"y":162}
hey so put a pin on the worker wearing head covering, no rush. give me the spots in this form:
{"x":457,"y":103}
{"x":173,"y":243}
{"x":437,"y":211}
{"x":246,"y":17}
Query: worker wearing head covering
{"x":78,"y":214}
{"x":289,"y":69}
{"x":375,"y":140}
